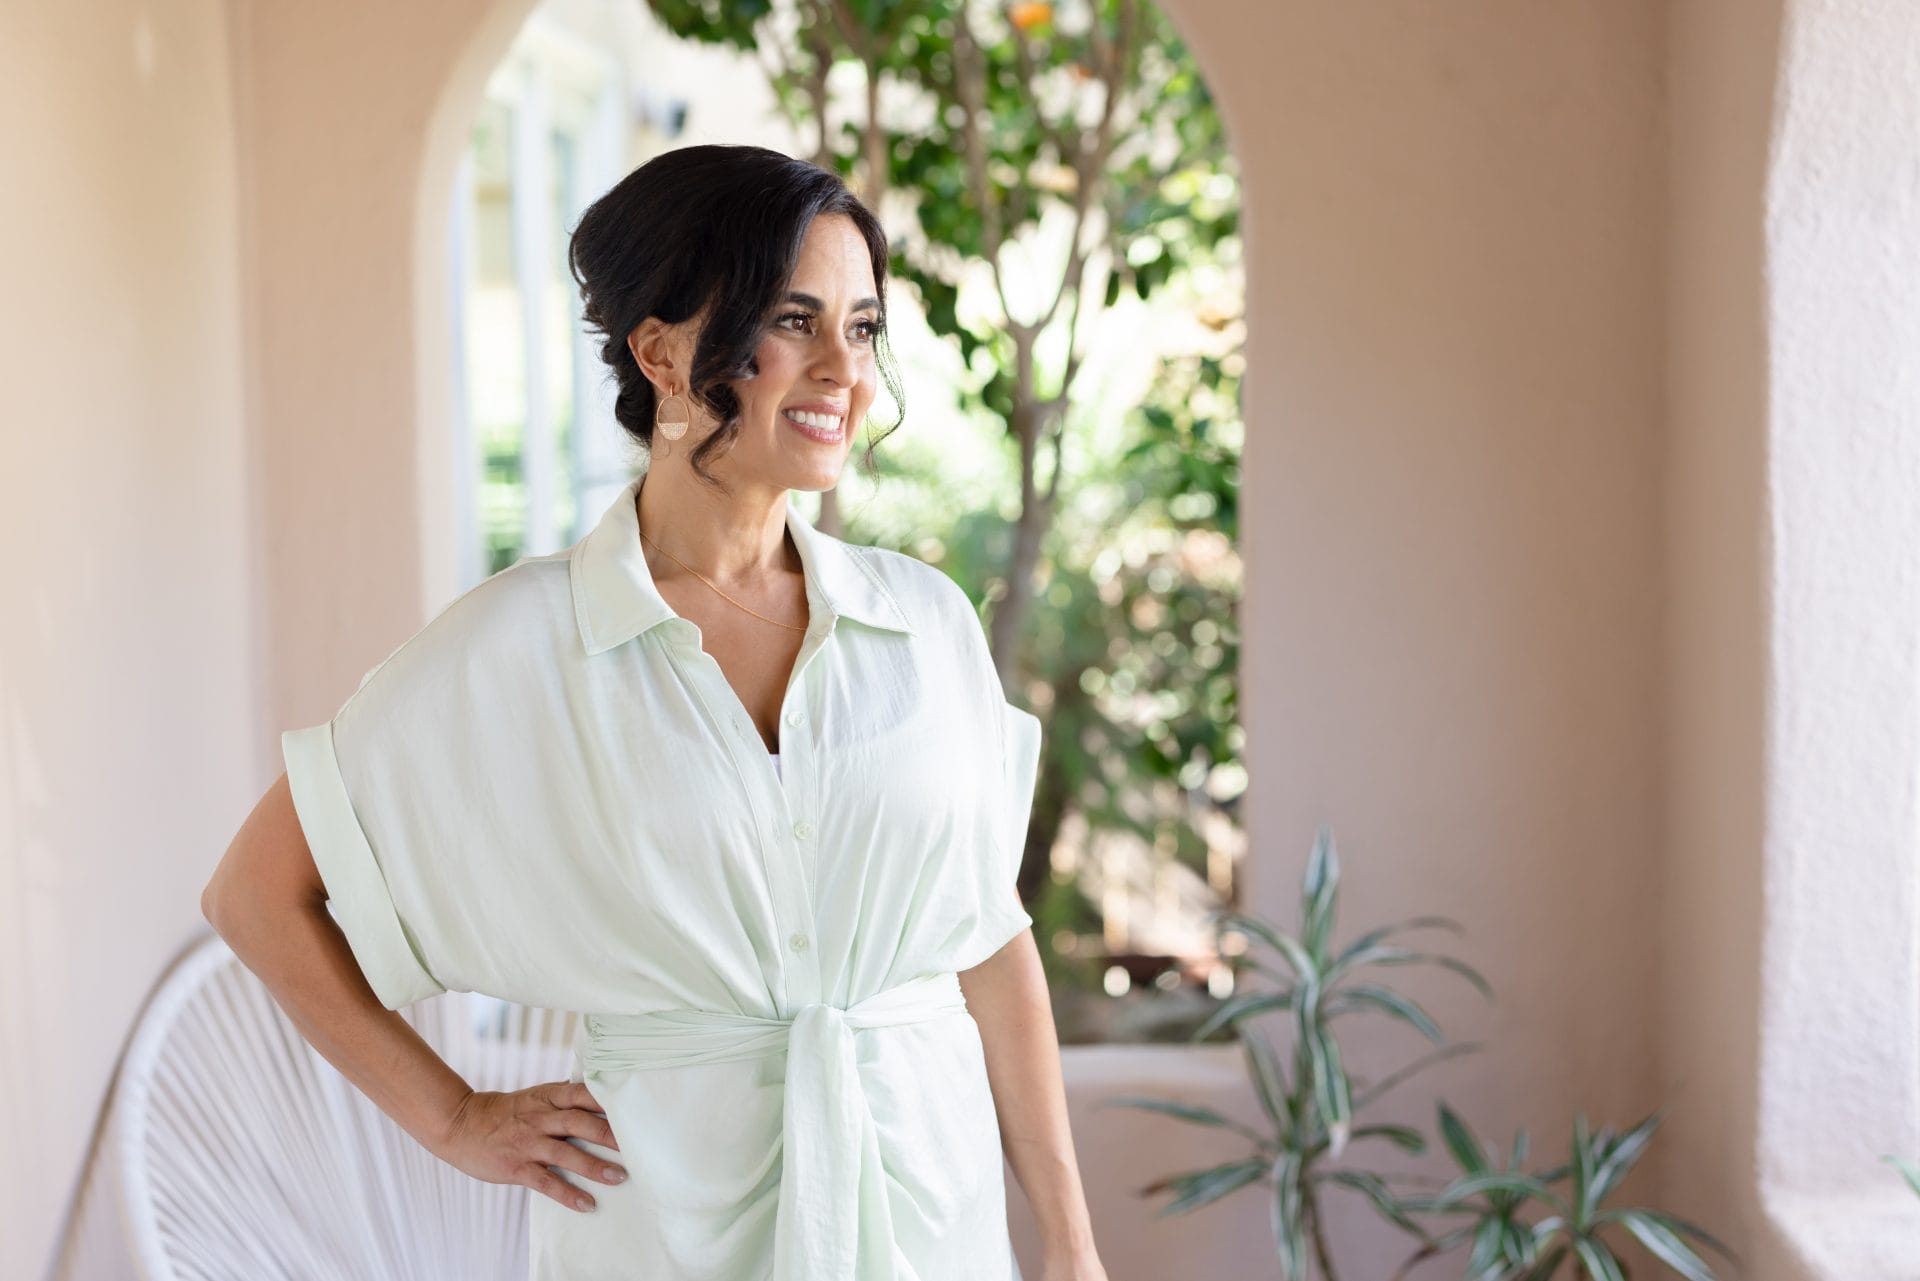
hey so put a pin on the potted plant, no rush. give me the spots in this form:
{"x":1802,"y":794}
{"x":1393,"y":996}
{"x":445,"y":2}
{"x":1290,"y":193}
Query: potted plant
{"x":1311,"y":1104}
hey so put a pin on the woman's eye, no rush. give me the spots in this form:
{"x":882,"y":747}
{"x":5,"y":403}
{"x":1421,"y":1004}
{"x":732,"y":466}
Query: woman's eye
{"x":870,"y":328}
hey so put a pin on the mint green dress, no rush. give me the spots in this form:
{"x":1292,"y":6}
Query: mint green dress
{"x":551,"y":794}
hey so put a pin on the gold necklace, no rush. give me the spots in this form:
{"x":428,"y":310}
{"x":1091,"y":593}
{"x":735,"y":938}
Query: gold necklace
{"x":709,"y":582}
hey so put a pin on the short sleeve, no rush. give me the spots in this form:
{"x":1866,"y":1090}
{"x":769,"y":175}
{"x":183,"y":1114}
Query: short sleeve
{"x":358,"y":889}
{"x":1019,"y":769}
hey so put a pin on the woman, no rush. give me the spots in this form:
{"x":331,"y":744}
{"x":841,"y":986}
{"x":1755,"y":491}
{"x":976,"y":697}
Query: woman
{"x":747,"y":794}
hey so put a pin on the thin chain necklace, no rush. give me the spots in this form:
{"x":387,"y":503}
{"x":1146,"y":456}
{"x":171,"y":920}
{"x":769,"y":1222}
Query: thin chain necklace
{"x":709,"y":582}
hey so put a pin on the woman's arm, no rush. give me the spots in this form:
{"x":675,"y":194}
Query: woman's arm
{"x":1007,"y":996}
{"x":268,"y":901}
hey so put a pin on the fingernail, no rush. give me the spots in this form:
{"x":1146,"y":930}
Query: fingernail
{"x":583,"y":1203}
{"x":613,"y":1173}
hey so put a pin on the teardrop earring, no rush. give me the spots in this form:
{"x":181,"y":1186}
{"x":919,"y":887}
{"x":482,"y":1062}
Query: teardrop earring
{"x":671,"y":418}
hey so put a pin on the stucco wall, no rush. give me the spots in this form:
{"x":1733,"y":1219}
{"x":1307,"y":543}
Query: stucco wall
{"x":1839,"y":1053}
{"x":1723,"y":66}
{"x":1455,"y":546}
{"x":129,"y":704}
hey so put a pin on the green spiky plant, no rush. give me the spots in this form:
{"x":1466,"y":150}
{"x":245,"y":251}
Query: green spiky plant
{"x":1507,"y":1248}
{"x":1311,"y":1105}
{"x":1312,"y":1108}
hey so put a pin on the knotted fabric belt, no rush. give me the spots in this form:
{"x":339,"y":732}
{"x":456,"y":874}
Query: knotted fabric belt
{"x":825,"y":1177}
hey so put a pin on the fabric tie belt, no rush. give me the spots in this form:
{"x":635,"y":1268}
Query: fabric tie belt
{"x":825,"y":1179}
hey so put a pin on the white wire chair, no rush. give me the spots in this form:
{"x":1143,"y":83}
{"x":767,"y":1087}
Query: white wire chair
{"x":244,"y":1155}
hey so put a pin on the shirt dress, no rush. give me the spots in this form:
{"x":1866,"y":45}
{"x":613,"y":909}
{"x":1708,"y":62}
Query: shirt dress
{"x":552,"y":795}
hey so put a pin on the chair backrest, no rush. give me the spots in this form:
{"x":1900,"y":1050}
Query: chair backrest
{"x":244,"y":1154}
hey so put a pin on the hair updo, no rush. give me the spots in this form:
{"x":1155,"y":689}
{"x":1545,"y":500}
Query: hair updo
{"x":717,"y":226}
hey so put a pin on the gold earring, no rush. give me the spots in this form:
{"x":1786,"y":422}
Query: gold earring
{"x":672,"y":422}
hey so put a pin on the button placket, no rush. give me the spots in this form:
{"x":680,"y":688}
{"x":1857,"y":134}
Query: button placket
{"x":789,"y":884}
{"x":794,"y":833}
{"x":796,"y":759}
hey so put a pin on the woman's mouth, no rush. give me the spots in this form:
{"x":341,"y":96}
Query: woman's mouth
{"x":827,"y":429}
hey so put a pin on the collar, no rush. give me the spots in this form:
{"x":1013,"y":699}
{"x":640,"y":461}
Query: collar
{"x":614,"y":598}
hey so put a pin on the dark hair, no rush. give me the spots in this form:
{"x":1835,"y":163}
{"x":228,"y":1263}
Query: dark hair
{"x":709,"y":226}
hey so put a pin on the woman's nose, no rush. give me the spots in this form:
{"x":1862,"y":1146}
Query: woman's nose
{"x":836,"y":360}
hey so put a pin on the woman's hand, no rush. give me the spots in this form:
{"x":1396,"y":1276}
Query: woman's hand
{"x":513,"y":1137}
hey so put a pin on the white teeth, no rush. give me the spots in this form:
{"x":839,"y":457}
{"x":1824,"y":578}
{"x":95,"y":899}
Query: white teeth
{"x":819,"y":422}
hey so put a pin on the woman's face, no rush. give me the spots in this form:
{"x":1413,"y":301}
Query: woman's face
{"x":816,"y":361}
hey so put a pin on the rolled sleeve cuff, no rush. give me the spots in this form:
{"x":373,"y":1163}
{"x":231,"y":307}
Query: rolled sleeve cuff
{"x":1021,"y":766}
{"x":356,"y":887}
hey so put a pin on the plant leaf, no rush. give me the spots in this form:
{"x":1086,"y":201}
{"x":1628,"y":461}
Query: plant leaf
{"x":1269,"y":1079}
{"x":1391,"y":1002}
{"x":1460,"y":1141}
{"x":1371,"y":937}
{"x":1375,"y":1189}
{"x":1664,"y":1244}
{"x":1318,"y":893}
{"x":1458,"y":1237}
{"x":1332,"y":1093}
{"x":1489,"y":1248}
{"x":1243,"y":1006}
{"x":1598,"y":1260}
{"x":1547,"y":1264}
{"x":1519,"y":1185}
{"x":1183,"y":1111}
{"x":1404,"y":1137}
{"x":1252,"y":925}
{"x":1583,"y":1172}
{"x":1289,"y":1231}
{"x":1674,"y":1223}
{"x":1199,"y":1187}
{"x":1620,"y":1157}
{"x":1305,"y":966}
{"x":1523,"y":1241}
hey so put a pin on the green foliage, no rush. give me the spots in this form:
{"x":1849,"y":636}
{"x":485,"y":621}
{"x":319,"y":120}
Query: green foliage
{"x":1004,"y":126}
{"x":1135,"y":636}
{"x":1505,"y":1248}
{"x":1308,"y":1098}
{"x":1310,"y":1105}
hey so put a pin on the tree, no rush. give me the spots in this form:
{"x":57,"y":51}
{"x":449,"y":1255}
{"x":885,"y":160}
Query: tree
{"x":1003,"y":131}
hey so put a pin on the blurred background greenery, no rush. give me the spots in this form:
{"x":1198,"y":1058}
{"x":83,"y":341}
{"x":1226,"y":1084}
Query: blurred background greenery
{"x":1067,"y":310}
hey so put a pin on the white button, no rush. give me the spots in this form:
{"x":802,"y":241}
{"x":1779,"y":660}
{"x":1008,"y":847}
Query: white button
{"x":799,"y":942}
{"x":803,"y":829}
{"x":796,"y":717}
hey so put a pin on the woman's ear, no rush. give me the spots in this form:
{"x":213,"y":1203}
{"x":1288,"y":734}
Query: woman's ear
{"x":656,"y":348}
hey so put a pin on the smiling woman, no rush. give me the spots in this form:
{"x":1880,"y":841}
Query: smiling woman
{"x":753,"y":807}
{"x":730,"y":255}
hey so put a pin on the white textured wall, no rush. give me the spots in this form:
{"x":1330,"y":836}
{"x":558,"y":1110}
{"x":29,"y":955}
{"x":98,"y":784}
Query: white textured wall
{"x":1792,"y":973}
{"x":1839,"y":1081}
{"x":129,"y":717}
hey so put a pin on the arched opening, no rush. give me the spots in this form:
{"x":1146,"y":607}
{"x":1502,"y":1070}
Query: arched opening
{"x":1127,"y":632}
